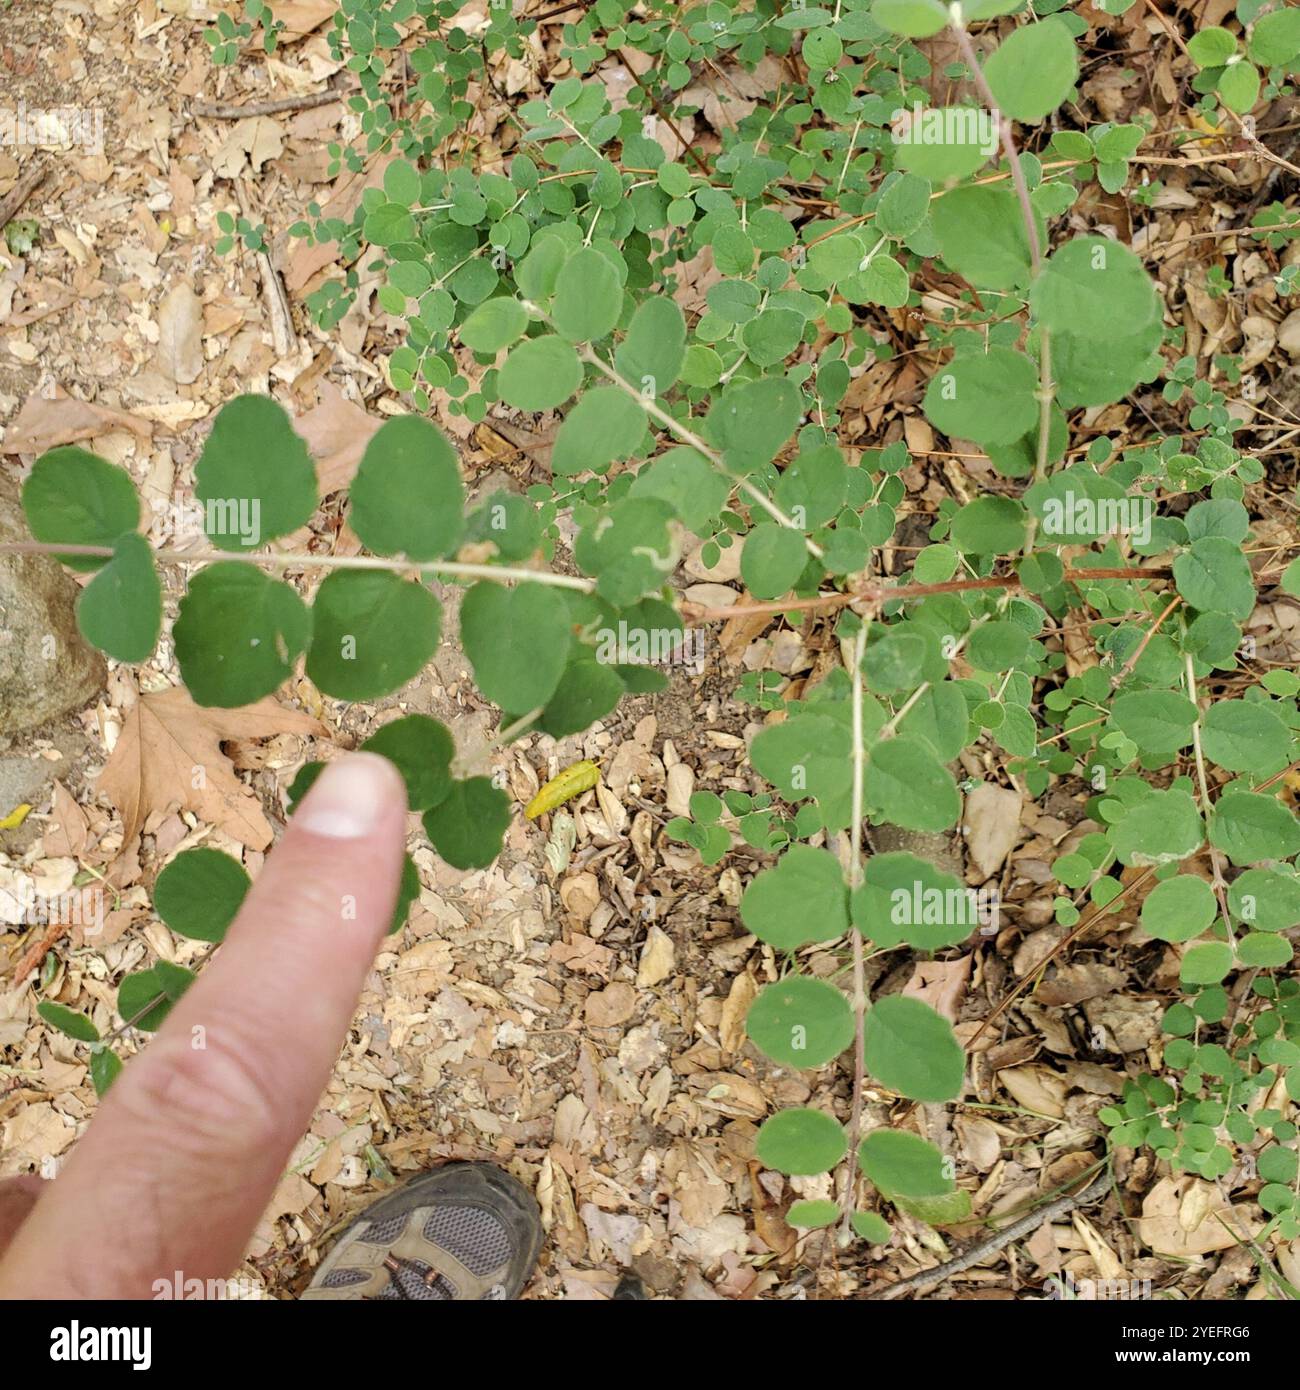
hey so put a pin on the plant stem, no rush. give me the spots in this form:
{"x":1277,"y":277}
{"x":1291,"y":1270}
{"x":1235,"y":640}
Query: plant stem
{"x":859,"y":968}
{"x":298,"y":560}
{"x":1220,"y":883}
{"x":688,"y":436}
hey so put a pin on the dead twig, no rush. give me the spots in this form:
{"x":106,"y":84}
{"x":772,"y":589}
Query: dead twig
{"x":21,"y":191}
{"x":234,"y":111}
{"x":977,"y":1254}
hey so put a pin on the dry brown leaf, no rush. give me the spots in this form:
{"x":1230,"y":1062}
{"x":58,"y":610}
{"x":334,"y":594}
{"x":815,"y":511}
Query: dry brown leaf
{"x":180,"y":335}
{"x":69,"y":830}
{"x":169,"y":754}
{"x":941,"y":984}
{"x":47,"y":421}
{"x":337,"y":432}
{"x":991,"y":825}
{"x":1184,"y":1217}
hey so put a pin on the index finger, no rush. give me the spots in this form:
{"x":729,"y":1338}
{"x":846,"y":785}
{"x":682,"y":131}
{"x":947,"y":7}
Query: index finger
{"x":187,"y":1148}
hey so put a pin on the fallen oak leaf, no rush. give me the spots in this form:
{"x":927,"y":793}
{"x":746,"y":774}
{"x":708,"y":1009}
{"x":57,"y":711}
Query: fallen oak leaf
{"x":169,"y":754}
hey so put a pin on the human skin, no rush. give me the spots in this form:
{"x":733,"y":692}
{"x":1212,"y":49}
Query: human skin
{"x":185,"y":1151}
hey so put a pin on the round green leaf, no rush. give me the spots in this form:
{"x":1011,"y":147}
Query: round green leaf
{"x":120,"y":610}
{"x":1160,"y":829}
{"x":77,"y":498}
{"x":981,"y":232}
{"x":1265,"y":899}
{"x":407,"y":497}
{"x":944,"y":143}
{"x":990,"y":526}
{"x":1178,"y":909}
{"x":1264,"y":949}
{"x":688,"y":482}
{"x":812,"y":1215}
{"x":800,"y":1021}
{"x":540,"y":373}
{"x":468,"y":826}
{"x":422,"y":750}
{"x":238,"y":634}
{"x":1158,"y":721}
{"x":517,"y":640}
{"x":199,"y":893}
{"x":1033,"y":69}
{"x":903,"y":1164}
{"x":650,"y":357}
{"x":1250,"y":827}
{"x":912,"y":1049}
{"x":772,"y":560}
{"x":871,"y":1226}
{"x":1215,"y":577}
{"x":913,"y":19}
{"x":372,"y":632}
{"x":588,"y":297}
{"x":987,"y":397}
{"x":1244,"y":736}
{"x":495,"y":324}
{"x":606,"y":424}
{"x":802,"y":899}
{"x":1091,"y":284}
{"x":255,"y":478}
{"x":800,"y":1142}
{"x":587,"y":691}
{"x":161,"y":987}
{"x":1206,"y":964}
{"x":907,"y":785}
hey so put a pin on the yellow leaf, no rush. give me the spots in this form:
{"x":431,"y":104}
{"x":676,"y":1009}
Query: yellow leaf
{"x":15,"y":817}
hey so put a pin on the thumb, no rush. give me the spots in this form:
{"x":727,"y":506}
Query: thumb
{"x":187,"y":1148}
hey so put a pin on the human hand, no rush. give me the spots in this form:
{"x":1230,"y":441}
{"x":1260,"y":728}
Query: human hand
{"x":185,"y":1151}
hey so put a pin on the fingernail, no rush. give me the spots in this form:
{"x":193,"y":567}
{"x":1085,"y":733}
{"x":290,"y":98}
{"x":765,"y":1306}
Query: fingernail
{"x":350,"y":797}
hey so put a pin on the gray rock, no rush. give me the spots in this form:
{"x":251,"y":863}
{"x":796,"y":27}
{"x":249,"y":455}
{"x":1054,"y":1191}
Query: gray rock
{"x":45,"y":668}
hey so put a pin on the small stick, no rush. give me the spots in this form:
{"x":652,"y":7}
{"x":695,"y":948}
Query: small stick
{"x":233,"y":111}
{"x":34,"y":954}
{"x":1027,"y":1224}
{"x":21,"y":191}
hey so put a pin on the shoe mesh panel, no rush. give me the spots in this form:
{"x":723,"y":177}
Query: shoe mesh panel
{"x":475,"y":1237}
{"x":412,"y":1279}
{"x":382,"y":1232}
{"x":342,"y":1278}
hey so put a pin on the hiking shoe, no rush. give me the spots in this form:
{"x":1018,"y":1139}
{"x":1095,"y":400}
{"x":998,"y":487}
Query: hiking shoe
{"x":461,"y":1232}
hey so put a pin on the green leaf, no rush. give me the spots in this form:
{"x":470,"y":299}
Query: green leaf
{"x":495,"y":324}
{"x":913,"y":19}
{"x":814,"y":1214}
{"x":77,"y":498}
{"x":800,"y":1142}
{"x":990,"y":526}
{"x":906,"y":785}
{"x":906,"y":899}
{"x":1244,"y":736}
{"x":606,"y":424}
{"x":540,"y":373}
{"x":588,"y":297}
{"x":650,"y":357}
{"x":105,"y":1066}
{"x":981,"y":233}
{"x":517,"y":640}
{"x":1206,"y":964}
{"x":802,"y":899}
{"x":1250,"y":827}
{"x":238,"y":634}
{"x":806,"y":755}
{"x":164,"y":982}
{"x":407,"y":497}
{"x":1162,"y":828}
{"x":1265,"y":899}
{"x":1279,"y":1164}
{"x":402,"y":183}
{"x":1033,"y":69}
{"x":987,"y":397}
{"x":422,"y":750}
{"x":903,"y":1164}
{"x":753,"y":420}
{"x":688,"y":482}
{"x":120,"y":610}
{"x":1211,"y":47}
{"x":1239,"y":87}
{"x":509,"y":522}
{"x":587,"y":691}
{"x":372,"y":632}
{"x":1215,"y":577}
{"x":773,"y":558}
{"x":912,"y":1049}
{"x":800,"y":1022}
{"x":468,"y":825}
{"x":1178,"y":909}
{"x":1091,"y":284}
{"x":1158,"y":721}
{"x":903,"y":206}
{"x":947,"y":143}
{"x":1263,"y":950}
{"x":254,"y":477}
{"x":69,"y":1021}
{"x":813,"y":486}
{"x":998,"y":646}
{"x":1275,"y":38}
{"x":199,"y":893}
{"x":871,"y":1226}
{"x":408,"y":890}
